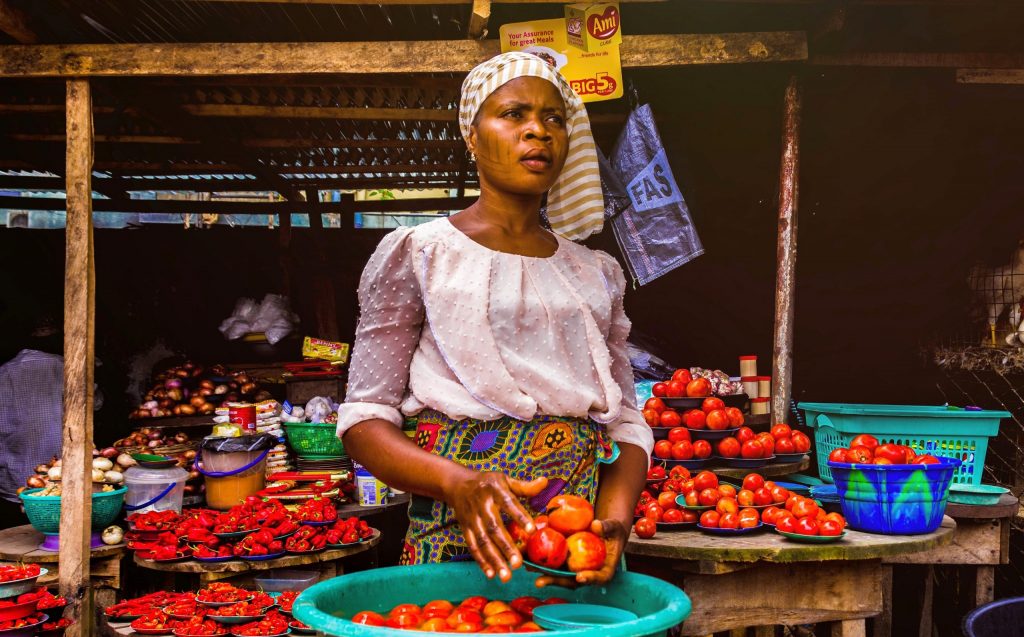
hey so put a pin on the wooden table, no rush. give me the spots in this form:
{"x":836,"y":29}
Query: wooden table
{"x":767,"y":471}
{"x":765,"y":580}
{"x":211,"y":572}
{"x":21,"y":544}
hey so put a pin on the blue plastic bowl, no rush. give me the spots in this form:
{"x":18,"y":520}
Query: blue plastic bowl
{"x":898,"y":499}
{"x":658,"y":605}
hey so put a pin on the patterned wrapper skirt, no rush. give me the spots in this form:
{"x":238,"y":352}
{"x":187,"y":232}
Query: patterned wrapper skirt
{"x":565,"y":450}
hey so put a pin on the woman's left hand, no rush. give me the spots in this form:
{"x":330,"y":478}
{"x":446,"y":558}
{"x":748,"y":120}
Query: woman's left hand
{"x":615,"y":535}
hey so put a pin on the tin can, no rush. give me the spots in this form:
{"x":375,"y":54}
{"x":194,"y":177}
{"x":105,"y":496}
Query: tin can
{"x":243,"y":416}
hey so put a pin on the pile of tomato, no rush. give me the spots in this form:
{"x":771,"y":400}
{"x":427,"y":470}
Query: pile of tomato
{"x":15,"y":572}
{"x":562,"y":537}
{"x":472,"y":615}
{"x":803,"y":516}
{"x":866,"y":449}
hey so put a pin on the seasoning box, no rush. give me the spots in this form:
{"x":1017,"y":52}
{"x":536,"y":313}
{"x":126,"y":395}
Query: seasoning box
{"x":593,"y":26}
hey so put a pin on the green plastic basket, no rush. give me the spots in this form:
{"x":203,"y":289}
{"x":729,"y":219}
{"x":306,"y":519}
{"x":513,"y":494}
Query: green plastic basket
{"x":314,"y":440}
{"x":43,"y":511}
{"x":941,"y":431}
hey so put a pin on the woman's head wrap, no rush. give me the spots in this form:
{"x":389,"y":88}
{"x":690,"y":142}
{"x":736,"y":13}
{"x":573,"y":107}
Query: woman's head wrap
{"x":575,"y":206}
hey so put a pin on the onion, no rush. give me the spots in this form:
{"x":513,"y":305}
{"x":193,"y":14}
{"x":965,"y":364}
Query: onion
{"x":190,"y":454}
{"x":206,"y":383}
{"x":35,"y":482}
{"x":97,"y":475}
{"x":155,"y":434}
{"x":42,"y":468}
{"x":56,"y":462}
{"x":160,"y":393}
{"x":153,"y":444}
{"x":112,"y":535}
{"x":193,"y":475}
{"x":54,"y":473}
{"x":95,"y":452}
{"x":220,"y":389}
{"x":126,"y":461}
{"x":242,"y":378}
{"x":186,"y":410}
{"x":206,"y":391}
{"x":181,"y":373}
{"x":103,"y":464}
{"x":248,"y":388}
{"x":197,"y":401}
{"x":175,"y":394}
{"x":207,"y":409}
{"x":172,"y":383}
{"x":177,"y":410}
{"x":109,"y":452}
{"x":181,"y":437}
{"x":113,"y":477}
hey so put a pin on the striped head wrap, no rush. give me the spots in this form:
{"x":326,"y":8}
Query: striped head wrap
{"x":575,"y":205}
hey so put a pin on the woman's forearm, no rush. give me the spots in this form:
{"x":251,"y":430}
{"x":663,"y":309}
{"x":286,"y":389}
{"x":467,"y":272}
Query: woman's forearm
{"x":398,"y":462}
{"x":621,"y":484}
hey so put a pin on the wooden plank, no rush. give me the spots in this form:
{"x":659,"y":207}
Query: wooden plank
{"x":984,"y":585}
{"x":323,"y":112}
{"x":924,"y":627}
{"x":79,"y":342}
{"x":12,"y":109}
{"x":170,"y":184}
{"x":173,"y":206}
{"x":21,"y":544}
{"x":478,"y":18}
{"x":1007,"y":507}
{"x":786,"y":253}
{"x":269,"y":142}
{"x":850,"y":628}
{"x":15,"y":23}
{"x":410,"y":2}
{"x":990,"y":76}
{"x":882,"y":624}
{"x":447,"y":56}
{"x":921,"y":60}
{"x":973,"y":543}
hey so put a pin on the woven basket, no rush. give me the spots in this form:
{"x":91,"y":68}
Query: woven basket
{"x":44,"y":511}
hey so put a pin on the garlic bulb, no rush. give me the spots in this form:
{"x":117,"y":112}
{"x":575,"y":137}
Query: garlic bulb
{"x":97,"y":475}
{"x":112,"y":535}
{"x":54,"y":473}
{"x":124,"y":460}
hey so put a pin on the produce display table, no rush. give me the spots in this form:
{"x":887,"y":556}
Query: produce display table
{"x":765,"y":580}
{"x":768,"y":471}
{"x":211,"y":572}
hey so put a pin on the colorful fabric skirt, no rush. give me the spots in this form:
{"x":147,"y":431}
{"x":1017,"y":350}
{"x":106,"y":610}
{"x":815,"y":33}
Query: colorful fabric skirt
{"x":565,"y":450}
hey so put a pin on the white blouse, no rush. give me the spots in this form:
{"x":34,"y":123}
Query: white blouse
{"x":449,"y":324}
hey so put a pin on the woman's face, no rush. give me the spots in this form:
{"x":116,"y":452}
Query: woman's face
{"x":520,"y":138}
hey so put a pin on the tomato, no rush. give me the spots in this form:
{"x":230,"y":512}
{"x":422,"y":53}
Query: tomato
{"x":705,"y":480}
{"x":682,"y":375}
{"x":792,"y":500}
{"x":651,"y":417}
{"x":785,"y":521}
{"x":679,"y":473}
{"x":698,"y":388}
{"x":645,"y":527}
{"x":781,"y":430}
{"x":682,"y":450}
{"x":692,"y":498}
{"x":656,"y":404}
{"x":908,"y":453}
{"x":657,"y":472}
{"x":678,"y":434}
{"x":727,"y":490}
{"x":859,"y":454}
{"x":466,"y":614}
{"x":709,"y":497}
{"x":666,"y":500}
{"x":653,"y":511}
{"x":672,"y":485}
{"x":736,"y":418}
{"x":728,"y":447}
{"x":752,"y":481}
{"x":801,"y":442}
{"x":752,"y":449}
{"x":805,"y":507}
{"x":587,"y":552}
{"x":768,"y":443}
{"x":368,"y":618}
{"x":434,"y":625}
{"x":501,"y":614}
{"x":838,"y":455}
{"x":676,"y":389}
{"x":881,"y":461}
{"x":525,"y":605}
{"x":547,"y":547}
{"x":779,"y":494}
{"x":830,"y":527}
{"x":569,"y":514}
{"x":711,"y":404}
{"x":806,"y":526}
{"x":769,"y":514}
{"x":670,"y":418}
{"x":660,"y":390}
{"x":529,"y":627}
{"x":763,"y":496}
{"x":717,"y":420}
{"x":785,"y":445}
{"x":749,"y":518}
{"x":729,"y":521}
{"x":864,"y":440}
{"x":695,"y":419}
{"x":469,"y":627}
{"x":663,"y":449}
{"x":744,"y":434}
{"x":727,"y":505}
{"x":672,"y":516}
{"x":701,"y":449}
{"x":405,"y":609}
{"x":690,"y":517}
{"x":745,"y":497}
{"x":837,"y":518}
{"x":710,"y":519}
{"x":403,"y":620}
{"x":925,"y":459}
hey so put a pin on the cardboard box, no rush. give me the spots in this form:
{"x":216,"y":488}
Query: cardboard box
{"x":590,"y":27}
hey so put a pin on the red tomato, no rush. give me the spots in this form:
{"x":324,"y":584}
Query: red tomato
{"x":805,"y":507}
{"x":368,"y":618}
{"x":672,"y":516}
{"x":736,"y":418}
{"x":645,"y":528}
{"x":695,"y":419}
{"x":744,"y":434}
{"x":676,"y":389}
{"x":654,"y":512}
{"x":677,"y":434}
{"x":660,"y":390}
{"x":587,"y":552}
{"x":711,"y":403}
{"x":569,"y":514}
{"x":465,"y":615}
{"x":768,"y":443}
{"x":781,"y":430}
{"x":729,"y":521}
{"x":692,"y":498}
{"x":806,"y":526}
{"x":769,"y":514}
{"x":710,"y":519}
{"x":727,"y":505}
{"x":838,"y":455}
{"x":682,"y":450}
{"x":438,"y":605}
{"x":651,"y":417}
{"x":753,"y":481}
{"x":749,"y":518}
{"x":657,"y":472}
{"x":709,"y":497}
{"x":881,"y":461}
{"x":727,"y":490}
{"x":701,"y":449}
{"x":763,"y":496}
{"x":925,"y":459}
{"x":830,"y":527}
{"x":908,"y":453}
{"x":779,"y":494}
{"x":705,"y":480}
{"x":547,"y":547}
{"x":403,"y":620}
{"x":667,"y":500}
{"x":859,"y":454}
{"x":656,"y":404}
{"x":690,"y":517}
{"x":728,"y":447}
{"x":478,"y":602}
{"x":672,"y":485}
{"x":405,"y":609}
{"x":891,"y":452}
{"x":785,"y":521}
{"x":663,"y":449}
{"x":679,"y":473}
{"x":434,"y":625}
{"x":745,"y":497}
{"x":670,"y":418}
{"x":837,"y":518}
{"x":682,"y":375}
{"x":698,"y":388}
{"x":784,"y":445}
{"x":717,"y":420}
{"x":752,"y":449}
{"x":864,"y":440}
{"x":801,"y":442}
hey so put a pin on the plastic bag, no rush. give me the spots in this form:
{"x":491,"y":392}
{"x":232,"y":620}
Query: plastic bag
{"x":239,"y":443}
{"x":271,"y":316}
{"x":318,"y":409}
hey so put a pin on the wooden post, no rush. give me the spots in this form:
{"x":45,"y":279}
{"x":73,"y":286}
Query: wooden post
{"x":325,"y":305}
{"x":79,"y":339}
{"x":785,"y":282}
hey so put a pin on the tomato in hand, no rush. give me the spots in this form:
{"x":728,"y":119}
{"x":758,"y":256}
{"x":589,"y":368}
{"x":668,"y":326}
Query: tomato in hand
{"x":547,"y":547}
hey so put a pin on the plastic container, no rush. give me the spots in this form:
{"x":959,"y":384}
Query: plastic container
{"x":658,"y":604}
{"x":44,"y":511}
{"x":235,"y":468}
{"x":940,"y":431}
{"x":1001,"y":618}
{"x":154,"y":489}
{"x":760,"y":406}
{"x":976,"y":494}
{"x":750,"y":387}
{"x":317,"y":440}
{"x":748,"y":365}
{"x":369,"y":490}
{"x":899,"y":499}
{"x":280,"y":580}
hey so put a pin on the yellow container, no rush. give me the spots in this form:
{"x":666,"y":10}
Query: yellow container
{"x":232,"y":477}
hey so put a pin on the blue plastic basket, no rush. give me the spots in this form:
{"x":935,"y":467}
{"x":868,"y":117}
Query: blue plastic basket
{"x":941,"y":431}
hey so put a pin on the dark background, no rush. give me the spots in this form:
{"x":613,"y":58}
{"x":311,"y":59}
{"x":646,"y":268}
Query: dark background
{"x":907,"y":179}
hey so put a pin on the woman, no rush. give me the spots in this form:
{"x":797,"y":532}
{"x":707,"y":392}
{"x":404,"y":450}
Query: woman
{"x":506,"y":341}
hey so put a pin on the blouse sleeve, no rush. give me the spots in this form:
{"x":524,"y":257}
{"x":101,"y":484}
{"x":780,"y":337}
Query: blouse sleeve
{"x":390,"y":321}
{"x":629,"y":426}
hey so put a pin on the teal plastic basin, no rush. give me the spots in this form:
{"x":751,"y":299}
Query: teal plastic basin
{"x":658,"y":604}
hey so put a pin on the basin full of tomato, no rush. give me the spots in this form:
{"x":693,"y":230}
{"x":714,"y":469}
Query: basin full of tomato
{"x":562,"y":538}
{"x":472,"y":615}
{"x":865,"y":449}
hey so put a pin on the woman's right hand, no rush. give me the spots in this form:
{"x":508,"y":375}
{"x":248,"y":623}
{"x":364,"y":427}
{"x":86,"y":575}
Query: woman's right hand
{"x":479,"y":500}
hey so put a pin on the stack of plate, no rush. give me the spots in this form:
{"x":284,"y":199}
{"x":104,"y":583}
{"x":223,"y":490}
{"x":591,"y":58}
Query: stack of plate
{"x":825,"y":493}
{"x":325,"y":465}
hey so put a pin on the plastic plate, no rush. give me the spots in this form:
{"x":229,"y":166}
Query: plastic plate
{"x":262,"y":558}
{"x":811,"y":539}
{"x":166,"y":630}
{"x":675,"y":526}
{"x":237,"y":619}
{"x":121,"y":619}
{"x":26,"y":630}
{"x":315,"y":523}
{"x":286,"y":632}
{"x":696,"y":463}
{"x":181,"y":557}
{"x":16,"y":587}
{"x":660,"y":433}
{"x":712,"y":434}
{"x":231,"y":535}
{"x":788,"y":457}
{"x":549,"y":571}
{"x":219,"y":604}
{"x":301,"y":629}
{"x":717,"y":531}
{"x":682,"y":402}
{"x":744,"y":463}
{"x":569,"y":616}
{"x":681,"y":501}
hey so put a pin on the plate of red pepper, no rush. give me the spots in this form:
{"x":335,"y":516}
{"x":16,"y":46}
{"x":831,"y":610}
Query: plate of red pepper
{"x":153,"y":623}
{"x":151,"y":521}
{"x":219,"y":594}
{"x":349,"y":531}
{"x":17,"y":579}
{"x":166,"y":553}
{"x":185,"y":609}
{"x":286,"y":599}
{"x":273,"y":625}
{"x":199,"y":627}
{"x":301,"y":629}
{"x":23,"y":606}
{"x":240,"y":613}
{"x":52,"y":604}
{"x":317,"y":512}
{"x":131,"y":609}
{"x":23,"y":625}
{"x":54,"y":628}
{"x":306,"y":540}
{"x":221,"y":553}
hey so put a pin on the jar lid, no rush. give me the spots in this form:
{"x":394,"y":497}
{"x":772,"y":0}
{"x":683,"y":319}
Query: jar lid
{"x":763,"y":377}
{"x":749,"y":379}
{"x":763,"y":399}
{"x":748,"y":358}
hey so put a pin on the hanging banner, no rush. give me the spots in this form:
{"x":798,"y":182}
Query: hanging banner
{"x":595,"y":75}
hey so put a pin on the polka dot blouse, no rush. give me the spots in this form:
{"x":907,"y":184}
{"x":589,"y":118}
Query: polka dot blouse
{"x":452,"y":325}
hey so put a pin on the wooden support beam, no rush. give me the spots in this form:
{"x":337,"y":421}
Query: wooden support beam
{"x":298,"y":142}
{"x":990,"y":76}
{"x":443,"y":56}
{"x":178,"y":206}
{"x":412,"y":2}
{"x":19,"y":109}
{"x":79,"y":341}
{"x":15,"y":23}
{"x":323,"y":112}
{"x":785,"y":281}
{"x":922,"y":60}
{"x":163,"y":184}
{"x":478,"y":19}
